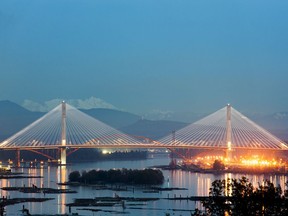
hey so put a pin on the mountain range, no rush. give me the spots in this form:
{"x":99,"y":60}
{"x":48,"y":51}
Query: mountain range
{"x":14,"y":117}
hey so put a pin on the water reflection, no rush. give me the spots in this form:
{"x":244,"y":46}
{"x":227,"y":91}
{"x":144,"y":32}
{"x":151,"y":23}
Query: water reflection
{"x":203,"y":185}
{"x":282,"y":180}
{"x":4,"y":183}
{"x":62,"y":177}
{"x":197,"y":184}
{"x":48,"y":177}
{"x":42,"y":174}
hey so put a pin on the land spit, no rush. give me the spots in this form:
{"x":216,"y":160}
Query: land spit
{"x":35,"y":189}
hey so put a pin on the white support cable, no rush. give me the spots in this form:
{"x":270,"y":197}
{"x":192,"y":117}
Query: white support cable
{"x":80,"y":128}
{"x":211,"y":131}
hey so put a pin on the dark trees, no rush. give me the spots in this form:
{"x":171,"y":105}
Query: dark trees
{"x":146,"y":176}
{"x":218,"y":165}
{"x":74,"y":176}
{"x":239,"y":197}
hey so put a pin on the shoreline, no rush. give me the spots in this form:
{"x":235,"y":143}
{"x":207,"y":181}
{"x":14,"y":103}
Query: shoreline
{"x":232,"y":171}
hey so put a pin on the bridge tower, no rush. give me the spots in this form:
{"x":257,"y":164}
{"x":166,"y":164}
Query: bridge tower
{"x":173,"y":160}
{"x":228,"y":133}
{"x":63,"y":135}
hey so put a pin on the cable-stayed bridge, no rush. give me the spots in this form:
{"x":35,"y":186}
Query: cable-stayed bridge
{"x":66,"y":127}
{"x":226,"y":128}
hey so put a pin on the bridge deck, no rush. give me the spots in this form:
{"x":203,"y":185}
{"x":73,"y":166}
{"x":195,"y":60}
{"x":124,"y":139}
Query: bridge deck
{"x":134,"y":146}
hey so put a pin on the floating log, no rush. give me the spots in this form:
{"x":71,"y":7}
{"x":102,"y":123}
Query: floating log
{"x":17,"y":177}
{"x":108,"y":201}
{"x":4,"y":201}
{"x":167,"y":188}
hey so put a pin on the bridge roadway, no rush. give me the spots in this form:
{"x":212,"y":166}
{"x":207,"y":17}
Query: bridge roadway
{"x":134,"y":146}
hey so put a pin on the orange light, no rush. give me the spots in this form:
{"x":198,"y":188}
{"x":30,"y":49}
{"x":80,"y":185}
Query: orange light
{"x":256,"y":161}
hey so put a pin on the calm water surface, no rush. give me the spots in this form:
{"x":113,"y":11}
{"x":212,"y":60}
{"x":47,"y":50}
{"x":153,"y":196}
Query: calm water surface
{"x":197,"y":184}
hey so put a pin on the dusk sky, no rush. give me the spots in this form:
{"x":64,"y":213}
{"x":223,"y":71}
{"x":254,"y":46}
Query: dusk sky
{"x":144,"y":55}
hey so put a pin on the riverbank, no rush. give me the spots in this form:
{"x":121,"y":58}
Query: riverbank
{"x":233,"y":170}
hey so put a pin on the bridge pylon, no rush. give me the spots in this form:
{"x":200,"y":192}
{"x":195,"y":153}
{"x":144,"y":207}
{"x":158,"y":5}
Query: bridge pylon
{"x":228,"y":133}
{"x":63,"y":136}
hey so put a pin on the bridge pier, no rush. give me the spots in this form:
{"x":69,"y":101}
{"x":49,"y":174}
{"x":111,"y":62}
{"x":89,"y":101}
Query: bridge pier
{"x":63,"y":156}
{"x":18,"y":162}
{"x":228,"y":154}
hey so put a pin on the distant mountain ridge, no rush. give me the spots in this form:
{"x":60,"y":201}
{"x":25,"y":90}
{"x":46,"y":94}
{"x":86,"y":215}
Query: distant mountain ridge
{"x":88,"y":103}
{"x":153,"y":129}
{"x":112,"y":117}
{"x":14,"y":117}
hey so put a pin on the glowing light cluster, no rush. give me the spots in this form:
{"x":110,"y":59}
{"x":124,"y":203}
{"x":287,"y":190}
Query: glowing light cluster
{"x":205,"y":161}
{"x":205,"y":158}
{"x":252,"y":161}
{"x":105,"y":151}
{"x":259,"y":162}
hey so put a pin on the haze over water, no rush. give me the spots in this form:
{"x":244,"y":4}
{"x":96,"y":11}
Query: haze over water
{"x":197,"y":184}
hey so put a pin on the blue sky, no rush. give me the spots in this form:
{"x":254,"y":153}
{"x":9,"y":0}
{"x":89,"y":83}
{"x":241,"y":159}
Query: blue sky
{"x":181,"y":55}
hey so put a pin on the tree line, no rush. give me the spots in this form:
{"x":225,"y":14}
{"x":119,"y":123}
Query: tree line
{"x":239,"y":198}
{"x":127,"y":176}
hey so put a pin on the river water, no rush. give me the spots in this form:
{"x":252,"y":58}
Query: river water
{"x":197,"y":184}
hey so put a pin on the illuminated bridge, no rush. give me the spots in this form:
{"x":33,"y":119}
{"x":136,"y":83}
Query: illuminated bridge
{"x":66,"y":128}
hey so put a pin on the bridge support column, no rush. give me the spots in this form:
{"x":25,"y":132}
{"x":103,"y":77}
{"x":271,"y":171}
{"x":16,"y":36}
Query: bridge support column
{"x":63,"y":156}
{"x":18,"y":158}
{"x":228,"y":134}
{"x":173,"y":142}
{"x":63,"y":136}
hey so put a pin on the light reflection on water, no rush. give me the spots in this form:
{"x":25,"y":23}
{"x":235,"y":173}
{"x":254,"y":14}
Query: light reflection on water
{"x":198,"y":184}
{"x":62,"y":177}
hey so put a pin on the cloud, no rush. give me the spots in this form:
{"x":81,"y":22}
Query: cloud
{"x":158,"y":114}
{"x":281,"y":115}
{"x":88,"y":103}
